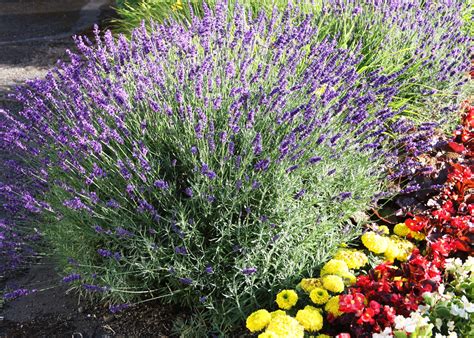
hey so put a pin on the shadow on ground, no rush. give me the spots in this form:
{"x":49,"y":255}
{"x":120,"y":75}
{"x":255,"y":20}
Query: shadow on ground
{"x":48,"y":312}
{"x":52,"y":311}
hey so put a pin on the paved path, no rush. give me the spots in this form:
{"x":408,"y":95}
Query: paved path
{"x":35,"y":33}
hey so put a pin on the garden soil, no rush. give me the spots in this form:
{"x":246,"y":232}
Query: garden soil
{"x":34,"y":34}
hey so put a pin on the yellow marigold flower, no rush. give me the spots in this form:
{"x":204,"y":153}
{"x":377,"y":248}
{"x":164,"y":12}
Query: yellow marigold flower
{"x":312,"y":308}
{"x":401,"y":229}
{"x":308,"y":284}
{"x":354,"y":259}
{"x":392,"y":251}
{"x":277,"y":313}
{"x":268,"y":334}
{"x":333,"y":283}
{"x":258,"y":320}
{"x":349,"y":278}
{"x":403,"y":257}
{"x":416,"y":235}
{"x":323,"y":336}
{"x":332,"y":306}
{"x":334,"y":267}
{"x":310,"y":319}
{"x":384,"y":229}
{"x":319,"y":296}
{"x":405,"y":247}
{"x":286,"y":299}
{"x":286,"y":327}
{"x":374,"y":242}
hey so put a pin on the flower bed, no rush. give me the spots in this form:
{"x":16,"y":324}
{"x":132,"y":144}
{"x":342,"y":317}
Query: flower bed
{"x":214,"y":163}
{"x":202,"y":166}
{"x":423,"y":288}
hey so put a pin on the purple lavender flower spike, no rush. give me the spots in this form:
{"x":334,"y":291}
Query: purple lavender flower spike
{"x":344,"y":195}
{"x":300,"y":194}
{"x":181,"y":250}
{"x":161,"y":184}
{"x":249,"y":271}
{"x":113,"y":204}
{"x":121,"y":232}
{"x":72,"y":277}
{"x":118,"y":308}
{"x":94,"y":288}
{"x":104,"y":252}
{"x":314,"y":159}
{"x":188,"y":192}
{"x":186,"y":281}
{"x":262,"y":165}
{"x":18,"y":293}
{"x":75,"y":204}
{"x":257,"y":144}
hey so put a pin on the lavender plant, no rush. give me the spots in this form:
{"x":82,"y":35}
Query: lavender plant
{"x":428,"y":40}
{"x":17,"y":239}
{"x":205,"y":166}
{"x":425,"y":38}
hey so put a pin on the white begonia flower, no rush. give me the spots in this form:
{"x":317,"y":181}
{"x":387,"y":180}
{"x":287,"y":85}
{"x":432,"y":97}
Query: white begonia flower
{"x":469,"y":264}
{"x":451,"y":325}
{"x":458,"y":311}
{"x":387,"y":333}
{"x":455,"y":267}
{"x":453,"y":264}
{"x":400,"y":322}
{"x":468,"y":306}
{"x":411,"y":326}
{"x":441,"y":289}
{"x":423,"y":309}
{"x":450,"y":335}
{"x":415,"y":321}
{"x":449,"y":295}
{"x":438,"y":323}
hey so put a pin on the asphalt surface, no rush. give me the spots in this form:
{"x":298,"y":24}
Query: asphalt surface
{"x":34,"y":34}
